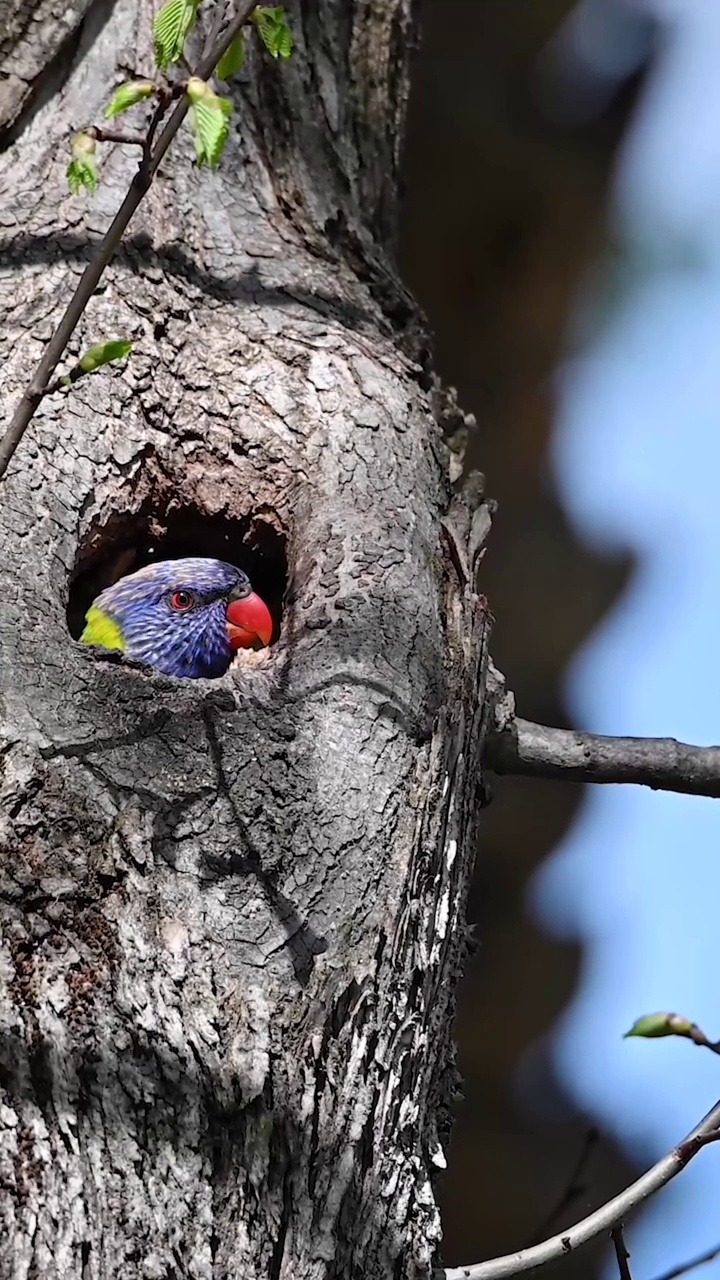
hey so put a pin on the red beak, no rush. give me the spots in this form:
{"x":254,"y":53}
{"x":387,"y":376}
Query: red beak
{"x":249,"y":622}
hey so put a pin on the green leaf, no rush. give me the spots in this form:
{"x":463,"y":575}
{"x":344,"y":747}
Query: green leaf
{"x":232,"y":59}
{"x":81,"y":174}
{"x":127,"y":95}
{"x":653,"y":1025}
{"x":171,"y":27}
{"x":104,"y":353}
{"x":273,"y":29}
{"x":209,"y":119}
{"x":82,"y":169}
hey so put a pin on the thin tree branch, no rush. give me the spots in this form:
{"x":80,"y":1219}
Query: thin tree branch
{"x":166,"y":96}
{"x":603,"y":1219}
{"x":37,"y":386}
{"x":117,"y":135}
{"x":621,"y":1253}
{"x":535,"y":750}
{"x":709,"y":1256}
{"x":67,"y":380}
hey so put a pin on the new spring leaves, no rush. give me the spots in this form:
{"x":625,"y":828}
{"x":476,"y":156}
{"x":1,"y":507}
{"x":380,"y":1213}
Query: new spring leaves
{"x":209,"y":112}
{"x":96,"y":356}
{"x":653,"y":1026}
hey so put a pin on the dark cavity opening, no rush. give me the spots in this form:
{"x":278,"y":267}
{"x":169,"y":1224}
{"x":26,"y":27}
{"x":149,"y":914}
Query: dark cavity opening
{"x":126,"y":542}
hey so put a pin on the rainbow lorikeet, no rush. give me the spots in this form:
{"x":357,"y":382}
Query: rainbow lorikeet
{"x":185,"y":617}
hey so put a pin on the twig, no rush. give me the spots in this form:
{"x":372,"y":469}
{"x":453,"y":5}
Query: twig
{"x":67,"y":380}
{"x":621,"y":1252}
{"x":664,"y":764}
{"x":116,"y":135}
{"x":602,"y":1220}
{"x":699,"y":1261}
{"x":573,"y":1188}
{"x":698,"y":1037}
{"x":165,"y":98}
{"x":37,"y":386}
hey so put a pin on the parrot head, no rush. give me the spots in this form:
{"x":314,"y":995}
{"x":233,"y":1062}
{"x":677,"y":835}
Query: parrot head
{"x":185,"y":617}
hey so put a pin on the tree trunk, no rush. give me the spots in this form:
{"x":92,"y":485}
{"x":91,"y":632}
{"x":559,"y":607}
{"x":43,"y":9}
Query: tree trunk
{"x":232,"y":910}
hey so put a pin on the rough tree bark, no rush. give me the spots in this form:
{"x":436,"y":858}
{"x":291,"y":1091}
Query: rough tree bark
{"x":232,"y":910}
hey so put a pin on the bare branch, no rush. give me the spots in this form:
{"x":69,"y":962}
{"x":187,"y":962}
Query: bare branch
{"x":602,"y":1220}
{"x":117,"y":135}
{"x":535,"y":750}
{"x":709,"y":1256}
{"x":621,"y":1253}
{"x":164,"y":102}
{"x":37,"y":386}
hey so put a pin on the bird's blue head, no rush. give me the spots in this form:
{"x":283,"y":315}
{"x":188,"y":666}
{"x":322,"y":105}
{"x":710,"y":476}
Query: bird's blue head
{"x":185,"y":617}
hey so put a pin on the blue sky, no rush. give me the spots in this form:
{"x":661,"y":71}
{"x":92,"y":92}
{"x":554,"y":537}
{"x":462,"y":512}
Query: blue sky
{"x":637,"y":462}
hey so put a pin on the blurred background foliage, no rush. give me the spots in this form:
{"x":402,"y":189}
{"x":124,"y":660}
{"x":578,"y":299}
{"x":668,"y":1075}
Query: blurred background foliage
{"x":561,"y":177}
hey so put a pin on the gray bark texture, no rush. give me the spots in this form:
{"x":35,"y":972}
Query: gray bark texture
{"x":232,"y":911}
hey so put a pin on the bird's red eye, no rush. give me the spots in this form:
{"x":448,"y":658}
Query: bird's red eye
{"x":181,"y":600}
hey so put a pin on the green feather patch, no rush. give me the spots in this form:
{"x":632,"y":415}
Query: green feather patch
{"x":100,"y":628}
